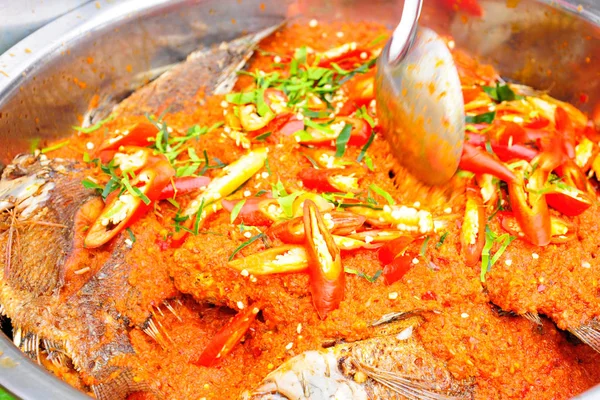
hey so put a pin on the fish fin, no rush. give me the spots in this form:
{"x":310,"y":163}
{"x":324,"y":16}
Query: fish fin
{"x":28,"y":343}
{"x":120,"y":387}
{"x":533,"y":317}
{"x":415,"y":388}
{"x":395,"y":316}
{"x":55,"y":353}
{"x":589,"y":333}
{"x":152,"y":328}
{"x":244,"y":46}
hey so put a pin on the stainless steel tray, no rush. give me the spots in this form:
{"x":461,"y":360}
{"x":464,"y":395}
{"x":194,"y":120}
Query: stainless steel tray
{"x":108,"y":47}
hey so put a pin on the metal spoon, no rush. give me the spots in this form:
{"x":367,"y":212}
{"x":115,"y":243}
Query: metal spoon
{"x":419,"y":100}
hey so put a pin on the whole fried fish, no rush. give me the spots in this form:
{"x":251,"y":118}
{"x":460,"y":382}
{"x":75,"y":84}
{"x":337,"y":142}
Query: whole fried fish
{"x":385,"y":367}
{"x":79,"y":304}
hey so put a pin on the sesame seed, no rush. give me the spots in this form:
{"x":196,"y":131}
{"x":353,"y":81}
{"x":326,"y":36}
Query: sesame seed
{"x":128,"y":242}
{"x":415,"y":260}
{"x":240,"y":305}
{"x":313,"y":23}
{"x":535,"y":256}
{"x":393,"y":295}
{"x":89,"y":145}
{"x":586,"y":264}
{"x":368,"y":239}
{"x":289,"y":346}
{"x":464,"y":315}
{"x":508,"y":262}
{"x":247,"y":193}
{"x":340,"y":34}
{"x":224,"y":112}
{"x":227,"y":129}
{"x":253,"y":279}
{"x":417,"y":204}
{"x":299,"y":328}
{"x":277,"y":59}
{"x":264,"y":175}
{"x":451,"y":44}
{"x":363,"y":55}
{"x":247,"y":234}
{"x":224,"y":104}
{"x":244,"y":272}
{"x":448,"y":210}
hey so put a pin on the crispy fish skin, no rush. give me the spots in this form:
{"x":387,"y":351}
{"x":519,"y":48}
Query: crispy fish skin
{"x":43,"y":212}
{"x":394,"y":366}
{"x":184,"y":87}
{"x":560,"y":281}
{"x":85,"y":325}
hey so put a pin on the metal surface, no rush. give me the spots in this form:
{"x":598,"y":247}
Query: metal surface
{"x":104,"y":46}
{"x":419,"y":100}
{"x":21,"y":18}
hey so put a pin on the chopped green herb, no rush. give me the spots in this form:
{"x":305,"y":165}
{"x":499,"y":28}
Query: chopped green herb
{"x":487,"y":118}
{"x":363,"y":151}
{"x":236,"y":210}
{"x":173,"y":202}
{"x":502,"y":92}
{"x":91,"y":185}
{"x":57,"y":146}
{"x":198,"y":218}
{"x":424,"y":246}
{"x":287,"y":202}
{"x":342,"y":140}
{"x":268,"y":167}
{"x":364,"y":114}
{"x":260,"y":193}
{"x":241,"y":98}
{"x":247,"y":243}
{"x":382,"y":193}
{"x":490,"y":239}
{"x":377,"y":40}
{"x":134,"y":190}
{"x":263,"y":137}
{"x":94,"y":127}
{"x":369,"y":162}
{"x":311,"y":160}
{"x":278,"y":190}
{"x":131,"y":235}
{"x":361,"y":274}
{"x":441,"y":241}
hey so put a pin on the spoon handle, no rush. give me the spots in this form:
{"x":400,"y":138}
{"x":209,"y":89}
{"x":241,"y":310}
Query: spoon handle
{"x":405,"y":30}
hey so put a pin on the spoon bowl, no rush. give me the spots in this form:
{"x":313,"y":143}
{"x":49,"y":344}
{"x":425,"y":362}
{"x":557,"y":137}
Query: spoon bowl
{"x":419,"y":100}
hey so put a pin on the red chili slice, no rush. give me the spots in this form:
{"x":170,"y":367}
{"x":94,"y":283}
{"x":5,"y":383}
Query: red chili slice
{"x":137,"y":135}
{"x":531,"y":210}
{"x":292,"y":231}
{"x":469,"y":6}
{"x":570,"y":202}
{"x":395,"y":270}
{"x":392,"y":249}
{"x":228,"y":337}
{"x":327,"y":277}
{"x":478,"y":161}
{"x":472,"y":235}
{"x":118,"y":214}
{"x":251,"y":212}
{"x":572,"y":175}
{"x":183,"y":185}
{"x":564,"y":127}
{"x":323,"y":180}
